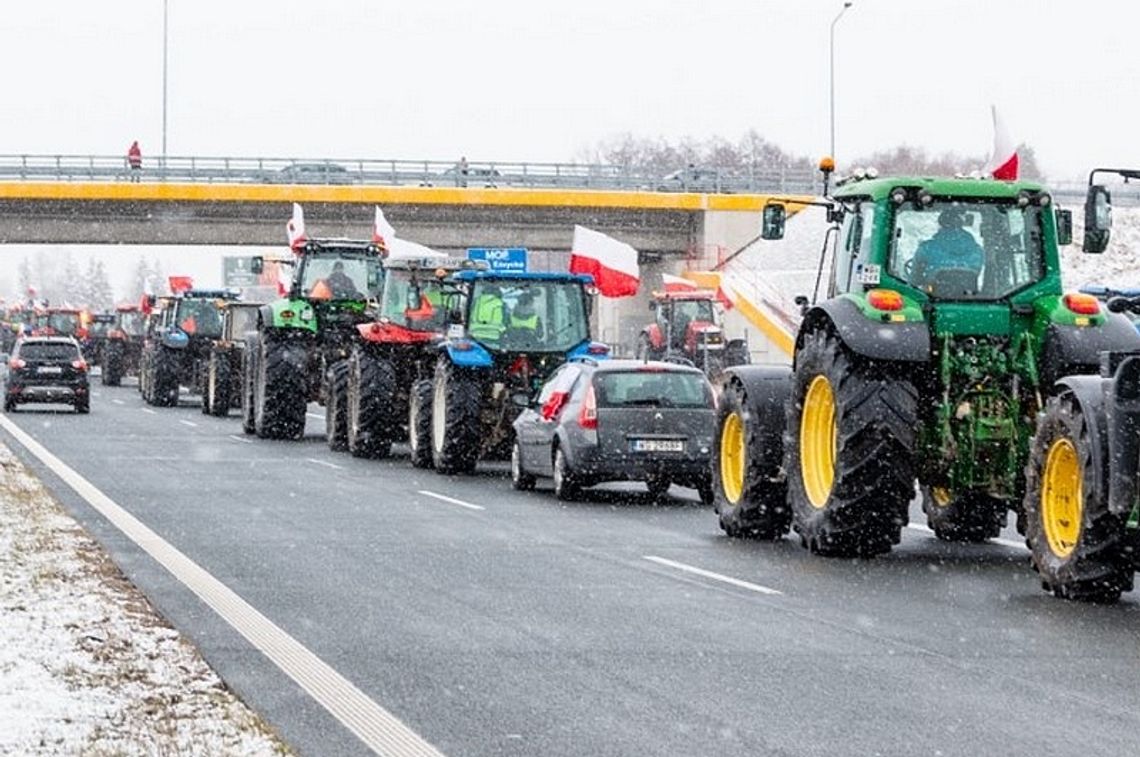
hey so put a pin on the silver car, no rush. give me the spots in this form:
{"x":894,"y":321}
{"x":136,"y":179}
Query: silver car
{"x":618,"y":420}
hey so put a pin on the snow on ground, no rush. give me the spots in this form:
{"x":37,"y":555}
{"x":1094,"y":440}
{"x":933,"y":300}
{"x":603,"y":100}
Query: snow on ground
{"x":87,"y":665}
{"x":1118,"y":266}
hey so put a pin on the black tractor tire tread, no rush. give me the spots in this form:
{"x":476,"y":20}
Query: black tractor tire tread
{"x":877,"y":426}
{"x":371,"y":395}
{"x":970,"y":518}
{"x":163,"y":386}
{"x":419,"y":423}
{"x":111,"y":369}
{"x":336,"y":402}
{"x":459,"y":451}
{"x":248,"y":376}
{"x":283,"y":393}
{"x":1099,"y":569}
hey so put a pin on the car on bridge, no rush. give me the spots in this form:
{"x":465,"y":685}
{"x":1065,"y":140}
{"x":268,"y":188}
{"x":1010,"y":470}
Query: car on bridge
{"x":308,"y":173}
{"x":48,"y":369}
{"x":618,"y":420}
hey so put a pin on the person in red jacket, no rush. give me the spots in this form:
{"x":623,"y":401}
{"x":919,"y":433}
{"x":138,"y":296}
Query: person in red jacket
{"x":134,"y":160}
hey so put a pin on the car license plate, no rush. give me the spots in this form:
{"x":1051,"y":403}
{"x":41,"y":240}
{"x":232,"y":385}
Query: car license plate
{"x":657,"y":445}
{"x":50,"y":369}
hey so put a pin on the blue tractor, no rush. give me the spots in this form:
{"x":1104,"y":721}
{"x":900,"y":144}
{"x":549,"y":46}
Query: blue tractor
{"x":509,"y":334}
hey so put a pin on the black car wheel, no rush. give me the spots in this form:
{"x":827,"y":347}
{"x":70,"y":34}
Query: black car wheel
{"x":520,"y":479}
{"x":565,"y":485}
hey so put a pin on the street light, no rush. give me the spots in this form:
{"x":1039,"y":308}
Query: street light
{"x":835,"y":21}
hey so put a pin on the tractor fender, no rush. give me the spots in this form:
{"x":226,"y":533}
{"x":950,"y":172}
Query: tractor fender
{"x":909,"y":342}
{"x":1076,"y":349}
{"x":1123,"y":423}
{"x":467,"y":353}
{"x":1091,"y":395}
{"x":767,"y":390}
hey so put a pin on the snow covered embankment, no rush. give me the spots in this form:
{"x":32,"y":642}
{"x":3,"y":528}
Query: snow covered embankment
{"x":87,"y":665}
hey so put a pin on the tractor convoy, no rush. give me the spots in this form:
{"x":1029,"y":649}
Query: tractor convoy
{"x":942,"y":361}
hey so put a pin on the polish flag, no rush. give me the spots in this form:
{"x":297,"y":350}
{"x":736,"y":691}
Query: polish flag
{"x":382,"y":232}
{"x":180,"y":284}
{"x":723,"y":296}
{"x":677,"y":284}
{"x":1003,"y":163}
{"x":613,"y":264}
{"x":295,"y":229}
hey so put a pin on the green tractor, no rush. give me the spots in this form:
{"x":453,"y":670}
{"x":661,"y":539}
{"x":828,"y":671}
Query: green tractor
{"x":297,"y":339}
{"x":942,"y":334}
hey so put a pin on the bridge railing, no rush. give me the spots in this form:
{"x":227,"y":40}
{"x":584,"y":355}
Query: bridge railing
{"x":50,"y":168}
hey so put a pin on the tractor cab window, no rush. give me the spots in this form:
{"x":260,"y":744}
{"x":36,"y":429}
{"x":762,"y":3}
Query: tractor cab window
{"x":242,"y":320}
{"x":63,"y":323}
{"x":967,"y":250}
{"x":420,"y":305}
{"x":132,"y":323}
{"x":199,"y":317}
{"x":336,"y":277}
{"x":527,"y":316}
{"x":852,"y":271}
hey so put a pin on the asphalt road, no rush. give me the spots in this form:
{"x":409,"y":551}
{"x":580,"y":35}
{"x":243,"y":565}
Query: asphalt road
{"x":609,"y":626}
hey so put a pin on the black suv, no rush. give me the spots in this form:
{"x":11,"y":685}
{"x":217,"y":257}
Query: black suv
{"x":47,"y":369}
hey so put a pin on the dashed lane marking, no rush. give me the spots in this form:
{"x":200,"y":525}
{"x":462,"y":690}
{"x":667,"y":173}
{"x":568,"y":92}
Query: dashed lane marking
{"x":1012,"y":544}
{"x":243,"y":440}
{"x":118,"y":402}
{"x":315,"y":461}
{"x":191,"y":424}
{"x":378,"y":729}
{"x":452,"y":500}
{"x":709,"y":574}
{"x":148,"y":410}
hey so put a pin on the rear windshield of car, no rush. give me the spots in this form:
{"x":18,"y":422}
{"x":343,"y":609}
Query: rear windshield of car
{"x":652,"y":388}
{"x":48,"y":351}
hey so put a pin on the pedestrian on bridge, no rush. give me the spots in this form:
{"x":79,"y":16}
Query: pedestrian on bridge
{"x":134,"y":160}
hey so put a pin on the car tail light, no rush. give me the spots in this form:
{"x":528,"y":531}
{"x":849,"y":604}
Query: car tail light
{"x":1082,"y":304}
{"x":588,"y":415}
{"x":16,"y":363}
{"x":79,"y":365}
{"x":885,"y":299}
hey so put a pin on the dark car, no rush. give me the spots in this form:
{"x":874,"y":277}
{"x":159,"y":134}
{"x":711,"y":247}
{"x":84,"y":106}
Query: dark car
{"x":618,"y":420}
{"x":47,"y":369}
{"x":309,"y":173}
{"x":693,"y":179}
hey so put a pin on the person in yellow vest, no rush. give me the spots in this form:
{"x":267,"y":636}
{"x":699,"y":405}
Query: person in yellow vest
{"x":488,"y":317}
{"x":525,"y":319}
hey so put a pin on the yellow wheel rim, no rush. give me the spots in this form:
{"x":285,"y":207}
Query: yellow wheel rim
{"x":1062,"y":498}
{"x":733,"y":457}
{"x":818,"y":440}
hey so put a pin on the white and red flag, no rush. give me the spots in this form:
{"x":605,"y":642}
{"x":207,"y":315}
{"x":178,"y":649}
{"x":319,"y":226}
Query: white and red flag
{"x":613,"y":264}
{"x":677,"y":284}
{"x":295,"y":228}
{"x":1003,"y":163}
{"x":382,"y":232}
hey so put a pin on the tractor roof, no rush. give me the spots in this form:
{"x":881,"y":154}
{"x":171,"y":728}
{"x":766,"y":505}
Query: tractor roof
{"x":578,"y":278}
{"x":317,"y":246}
{"x":209,"y":294}
{"x":879,"y":189}
{"x":687,"y":295}
{"x":432,"y":264}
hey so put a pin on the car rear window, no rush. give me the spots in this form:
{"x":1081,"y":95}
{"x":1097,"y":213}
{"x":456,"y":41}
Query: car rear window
{"x":652,"y":388}
{"x":46,"y":351}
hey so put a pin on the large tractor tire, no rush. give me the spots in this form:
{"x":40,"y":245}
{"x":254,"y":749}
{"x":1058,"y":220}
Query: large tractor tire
{"x":111,"y":368}
{"x":336,"y":399}
{"x":248,"y":378}
{"x":456,"y":434}
{"x":371,"y":395}
{"x":736,"y":353}
{"x":216,"y":398}
{"x":970,"y":517}
{"x":280,"y":392}
{"x":747,"y":492}
{"x":849,"y":450}
{"x":1077,"y":544}
{"x":163,"y":385}
{"x":419,"y":423}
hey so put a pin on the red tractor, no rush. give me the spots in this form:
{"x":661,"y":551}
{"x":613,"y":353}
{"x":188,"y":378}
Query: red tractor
{"x":688,"y":325}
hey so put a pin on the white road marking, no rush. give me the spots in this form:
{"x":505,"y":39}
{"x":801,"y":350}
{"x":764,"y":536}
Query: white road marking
{"x":709,"y":574}
{"x":240,"y":439}
{"x":452,"y":500}
{"x":148,"y":410}
{"x":96,"y":394}
{"x":314,"y":415}
{"x":118,"y":402}
{"x":1003,"y":542}
{"x":380,"y":730}
{"x":324,"y":463}
{"x":191,"y":424}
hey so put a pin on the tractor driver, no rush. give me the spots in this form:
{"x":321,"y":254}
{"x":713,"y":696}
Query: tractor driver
{"x":487,"y":315}
{"x":341,"y":284}
{"x":951,"y":248}
{"x":525,"y":318}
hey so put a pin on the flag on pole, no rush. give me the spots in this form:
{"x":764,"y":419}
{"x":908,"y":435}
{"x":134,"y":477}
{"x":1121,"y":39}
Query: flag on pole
{"x":295,"y":229}
{"x":676,"y":283}
{"x":723,"y":295}
{"x":382,"y":232}
{"x":613,"y":264}
{"x":1004,"y":162}
{"x":180,"y":284}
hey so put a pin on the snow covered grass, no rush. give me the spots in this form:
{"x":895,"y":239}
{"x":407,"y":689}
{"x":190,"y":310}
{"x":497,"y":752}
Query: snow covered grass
{"x":1118,"y":266}
{"x":87,"y":665}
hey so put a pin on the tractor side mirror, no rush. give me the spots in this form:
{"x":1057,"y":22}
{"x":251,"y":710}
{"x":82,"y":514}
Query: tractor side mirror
{"x":1098,"y":219}
{"x":773,"y":220}
{"x":803,"y":303}
{"x":1064,"y":227}
{"x":257,"y":264}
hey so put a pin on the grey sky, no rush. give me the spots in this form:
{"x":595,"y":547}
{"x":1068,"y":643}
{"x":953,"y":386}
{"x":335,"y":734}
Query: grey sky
{"x":540,"y":81}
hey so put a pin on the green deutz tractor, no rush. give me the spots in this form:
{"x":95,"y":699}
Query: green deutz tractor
{"x":299,"y":337}
{"x":924,"y":364}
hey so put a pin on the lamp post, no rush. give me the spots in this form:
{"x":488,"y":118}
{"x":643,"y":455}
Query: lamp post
{"x":835,"y":21}
{"x":164,"y":37}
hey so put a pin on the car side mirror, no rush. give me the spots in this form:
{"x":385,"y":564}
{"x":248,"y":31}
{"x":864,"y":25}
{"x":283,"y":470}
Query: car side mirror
{"x":1064,"y":227}
{"x":1098,"y":219}
{"x":257,"y":264}
{"x":773,"y":220}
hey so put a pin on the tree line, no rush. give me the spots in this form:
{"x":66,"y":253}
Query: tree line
{"x":60,"y":280}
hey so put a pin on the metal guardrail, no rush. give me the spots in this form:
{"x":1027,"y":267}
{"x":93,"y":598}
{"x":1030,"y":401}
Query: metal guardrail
{"x":425,"y":173}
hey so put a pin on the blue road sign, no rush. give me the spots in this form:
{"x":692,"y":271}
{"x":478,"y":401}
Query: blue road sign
{"x":512,"y":259}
